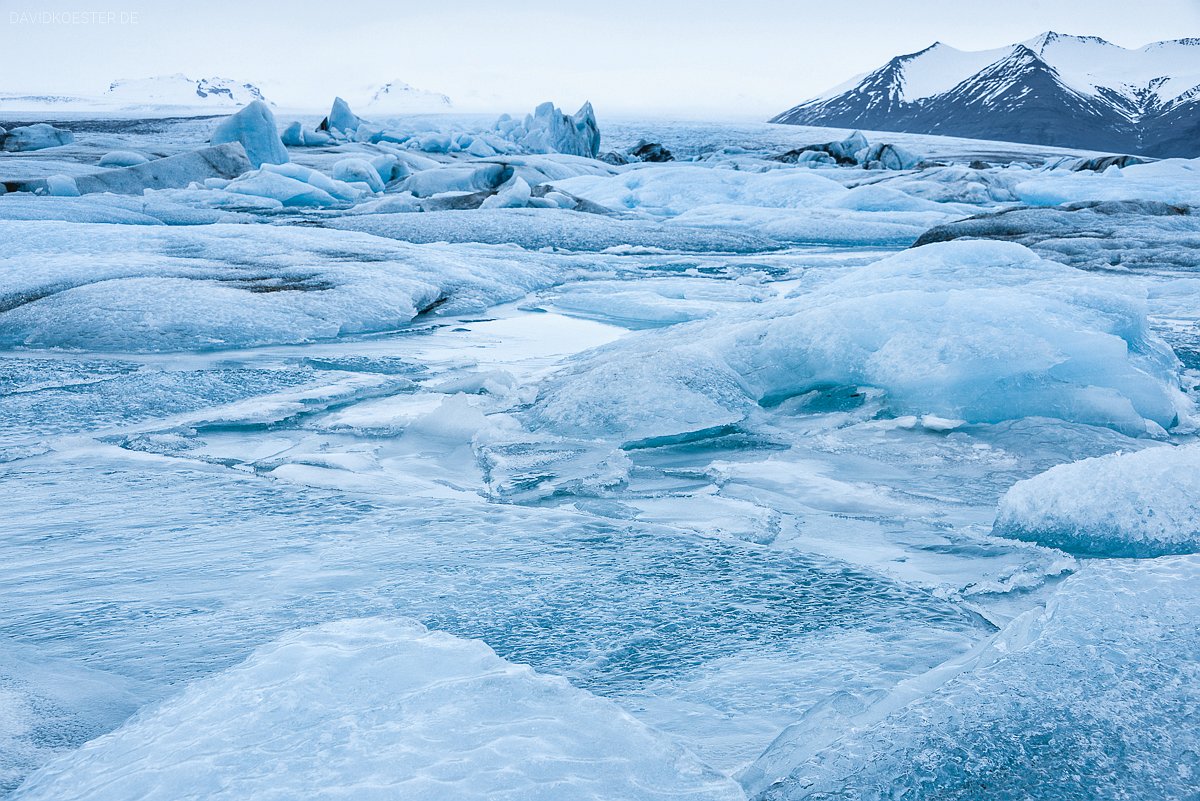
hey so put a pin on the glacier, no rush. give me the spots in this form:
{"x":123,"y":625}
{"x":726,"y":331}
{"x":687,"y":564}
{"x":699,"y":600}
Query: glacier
{"x":478,"y":464}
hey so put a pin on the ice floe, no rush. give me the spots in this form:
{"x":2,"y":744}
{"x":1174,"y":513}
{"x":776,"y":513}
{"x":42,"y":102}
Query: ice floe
{"x":381,"y":708}
{"x":1140,"y":504}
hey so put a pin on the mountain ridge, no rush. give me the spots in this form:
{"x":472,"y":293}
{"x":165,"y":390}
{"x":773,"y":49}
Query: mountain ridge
{"x":1055,"y":89}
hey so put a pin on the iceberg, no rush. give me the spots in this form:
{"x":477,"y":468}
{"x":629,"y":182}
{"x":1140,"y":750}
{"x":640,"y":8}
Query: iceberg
{"x":34,"y":137}
{"x":358,"y":171}
{"x":889,"y":157}
{"x":62,"y":186}
{"x":395,"y":711}
{"x":485,"y":177}
{"x":515,"y":194}
{"x":1140,"y":504}
{"x":340,"y":120}
{"x":254,"y":127}
{"x":974,"y":331}
{"x":288,"y":191}
{"x":549,"y":130}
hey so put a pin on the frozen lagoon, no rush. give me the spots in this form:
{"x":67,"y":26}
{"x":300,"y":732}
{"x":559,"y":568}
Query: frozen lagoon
{"x":646,"y":453}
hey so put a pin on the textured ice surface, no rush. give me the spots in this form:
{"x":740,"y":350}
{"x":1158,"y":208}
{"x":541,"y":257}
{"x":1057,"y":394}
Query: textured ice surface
{"x":1132,"y":504}
{"x":1094,"y":698}
{"x":181,"y":568}
{"x":535,"y":229}
{"x":977,"y":331}
{"x":141,"y":288}
{"x":378,"y":708}
{"x":668,"y":190}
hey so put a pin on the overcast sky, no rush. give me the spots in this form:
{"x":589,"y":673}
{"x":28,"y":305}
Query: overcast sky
{"x":728,"y":58}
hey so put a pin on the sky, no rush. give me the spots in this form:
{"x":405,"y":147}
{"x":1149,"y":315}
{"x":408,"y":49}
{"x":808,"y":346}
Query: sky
{"x":682,"y":58}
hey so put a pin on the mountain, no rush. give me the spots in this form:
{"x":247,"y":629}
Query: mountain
{"x":397,"y":97}
{"x":158,"y":94}
{"x":1069,"y":91}
{"x":180,"y":90}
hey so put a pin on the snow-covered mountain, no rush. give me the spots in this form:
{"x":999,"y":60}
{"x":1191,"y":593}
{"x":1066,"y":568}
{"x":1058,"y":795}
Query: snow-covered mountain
{"x":397,"y":97}
{"x":180,"y":90}
{"x":160,"y":94}
{"x":1072,"y":91}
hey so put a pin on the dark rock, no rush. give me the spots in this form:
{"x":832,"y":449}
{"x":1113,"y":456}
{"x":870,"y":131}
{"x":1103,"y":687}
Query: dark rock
{"x":652,"y":152}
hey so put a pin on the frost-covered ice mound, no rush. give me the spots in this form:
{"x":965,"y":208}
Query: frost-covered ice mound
{"x":973,"y":331}
{"x":156,"y":288}
{"x":1097,"y":697}
{"x":1126,"y":504}
{"x":380,"y":709}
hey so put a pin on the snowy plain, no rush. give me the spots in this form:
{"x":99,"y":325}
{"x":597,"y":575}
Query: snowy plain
{"x":447,"y":460}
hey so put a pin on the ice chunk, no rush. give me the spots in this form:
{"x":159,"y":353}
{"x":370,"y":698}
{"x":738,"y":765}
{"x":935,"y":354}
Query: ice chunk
{"x":288,"y":191}
{"x":850,"y":151}
{"x":295,"y":135}
{"x":122,"y":158}
{"x":358,"y":171}
{"x":391,"y":168}
{"x":35,"y":137}
{"x":549,"y":130}
{"x":338,"y":189}
{"x":889,"y":157}
{"x":254,"y":127}
{"x":395,"y":711}
{"x":1139,"y":504}
{"x":513,"y":195}
{"x":465,"y":178}
{"x":61,"y":186}
{"x":1095,"y":697}
{"x":222,"y":161}
{"x":341,"y":119}
{"x":973,"y":331}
